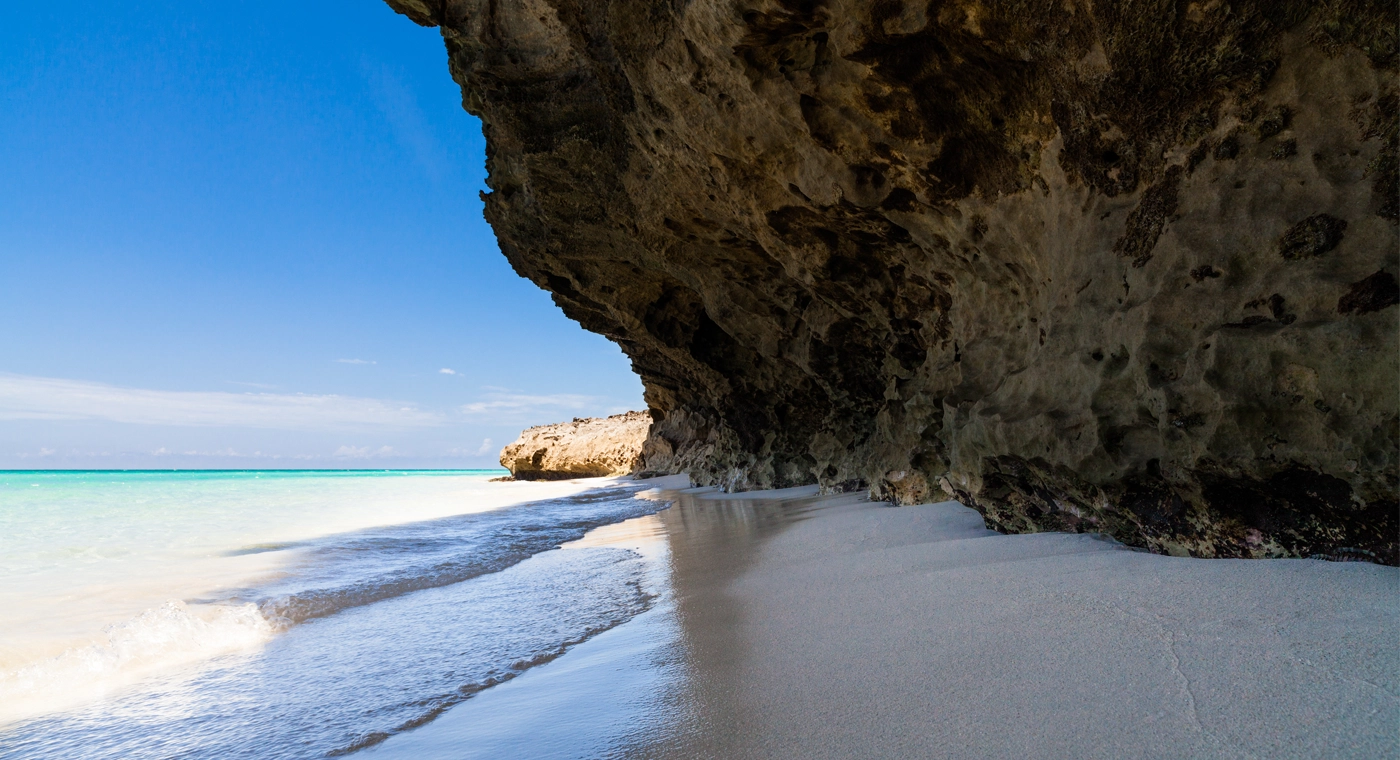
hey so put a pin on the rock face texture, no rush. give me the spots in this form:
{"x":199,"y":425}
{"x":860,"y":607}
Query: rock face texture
{"x":585,"y":448}
{"x":1126,"y":267}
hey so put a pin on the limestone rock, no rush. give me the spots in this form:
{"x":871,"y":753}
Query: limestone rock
{"x":1123,"y":267}
{"x":584,"y":448}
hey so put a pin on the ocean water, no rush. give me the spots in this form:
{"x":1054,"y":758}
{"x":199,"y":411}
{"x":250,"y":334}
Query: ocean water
{"x":287,"y":614}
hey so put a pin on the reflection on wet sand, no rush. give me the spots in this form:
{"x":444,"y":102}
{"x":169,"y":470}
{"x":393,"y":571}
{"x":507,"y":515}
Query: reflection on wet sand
{"x":652,"y":687}
{"x":834,"y":628}
{"x":714,"y":538}
{"x":788,"y":624}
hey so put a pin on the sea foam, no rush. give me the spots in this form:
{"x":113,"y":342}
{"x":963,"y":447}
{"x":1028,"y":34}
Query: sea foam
{"x":170,"y":636}
{"x":94,"y":565}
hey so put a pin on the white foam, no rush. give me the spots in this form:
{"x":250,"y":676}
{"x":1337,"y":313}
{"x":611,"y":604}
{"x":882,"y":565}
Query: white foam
{"x":77,"y":554}
{"x":168,"y":637}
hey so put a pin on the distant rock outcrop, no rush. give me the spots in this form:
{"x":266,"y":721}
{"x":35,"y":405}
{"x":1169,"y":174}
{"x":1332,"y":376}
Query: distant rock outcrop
{"x":584,"y":448}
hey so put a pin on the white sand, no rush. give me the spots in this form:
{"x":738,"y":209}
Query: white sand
{"x":838,"y":628}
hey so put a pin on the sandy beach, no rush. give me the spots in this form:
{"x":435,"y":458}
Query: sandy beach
{"x":453,"y":379}
{"x":791,"y":625}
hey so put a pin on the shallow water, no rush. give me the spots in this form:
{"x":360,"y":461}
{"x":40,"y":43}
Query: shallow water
{"x":632,"y":691}
{"x":303,"y":641}
{"x":791,"y":625}
{"x":767,"y":625}
{"x":609,"y":697}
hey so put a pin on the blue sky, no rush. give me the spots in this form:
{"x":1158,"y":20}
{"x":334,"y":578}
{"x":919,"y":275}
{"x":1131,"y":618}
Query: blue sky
{"x":249,"y":235}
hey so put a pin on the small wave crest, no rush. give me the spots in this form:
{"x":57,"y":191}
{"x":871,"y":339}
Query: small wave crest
{"x":159,"y":639}
{"x":326,"y":576}
{"x":432,"y":707}
{"x":285,"y":611}
{"x":347,"y":571}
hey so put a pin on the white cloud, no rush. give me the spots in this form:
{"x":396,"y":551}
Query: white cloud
{"x":48,"y":452}
{"x":362,"y":452}
{"x":24,"y":397}
{"x":231,"y":453}
{"x":446,"y":371}
{"x":519,"y":403}
{"x":486,"y":448}
{"x":512,"y":408}
{"x":355,"y":361}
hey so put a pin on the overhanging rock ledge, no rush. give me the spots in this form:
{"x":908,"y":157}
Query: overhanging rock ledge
{"x":1125,"y":267}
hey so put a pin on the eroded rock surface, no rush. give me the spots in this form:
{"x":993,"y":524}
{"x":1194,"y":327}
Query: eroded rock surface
{"x":584,"y":448}
{"x":1124,"y":267}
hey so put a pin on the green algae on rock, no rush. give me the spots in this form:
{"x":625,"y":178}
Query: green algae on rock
{"x":1120,"y":267}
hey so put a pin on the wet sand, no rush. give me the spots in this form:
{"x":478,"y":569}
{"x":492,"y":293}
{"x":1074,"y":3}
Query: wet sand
{"x":789,"y":625}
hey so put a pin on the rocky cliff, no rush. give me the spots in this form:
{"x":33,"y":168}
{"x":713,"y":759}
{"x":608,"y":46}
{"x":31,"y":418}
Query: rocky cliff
{"x":1125,"y":267}
{"x":585,"y":448}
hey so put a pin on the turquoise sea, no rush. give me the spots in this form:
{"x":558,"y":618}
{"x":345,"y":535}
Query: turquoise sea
{"x":286,"y":613}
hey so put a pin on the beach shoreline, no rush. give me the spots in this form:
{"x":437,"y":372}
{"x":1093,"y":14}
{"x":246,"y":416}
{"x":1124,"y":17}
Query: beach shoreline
{"x":798,"y":625}
{"x":147,"y":581}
